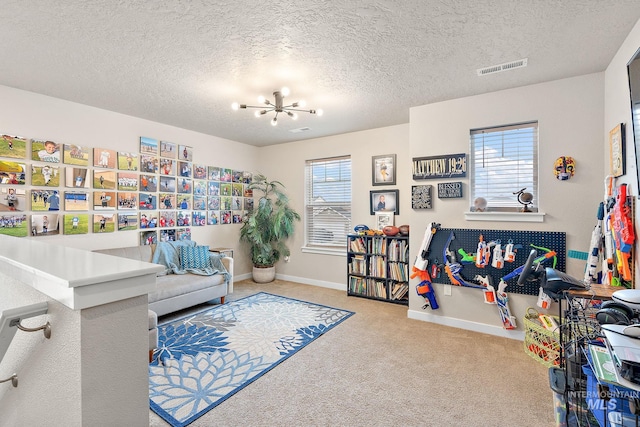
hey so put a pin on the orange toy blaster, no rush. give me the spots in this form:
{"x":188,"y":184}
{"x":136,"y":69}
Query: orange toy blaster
{"x":623,"y":233}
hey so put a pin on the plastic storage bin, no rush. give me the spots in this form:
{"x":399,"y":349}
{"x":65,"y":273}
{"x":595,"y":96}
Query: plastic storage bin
{"x":614,"y":411}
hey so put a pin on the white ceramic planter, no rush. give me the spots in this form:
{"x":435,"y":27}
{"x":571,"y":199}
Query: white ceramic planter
{"x":264,"y":274}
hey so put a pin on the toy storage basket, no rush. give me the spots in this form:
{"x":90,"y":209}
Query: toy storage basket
{"x":540,"y":343}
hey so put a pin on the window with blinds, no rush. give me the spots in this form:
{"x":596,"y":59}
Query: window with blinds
{"x":504,"y":161}
{"x":327,"y":202}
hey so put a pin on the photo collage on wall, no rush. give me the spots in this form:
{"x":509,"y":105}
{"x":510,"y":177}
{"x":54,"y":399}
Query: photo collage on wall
{"x":49,"y":188}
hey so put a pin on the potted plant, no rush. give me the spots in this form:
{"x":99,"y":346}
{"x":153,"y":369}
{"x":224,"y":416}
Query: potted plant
{"x":267,"y":226}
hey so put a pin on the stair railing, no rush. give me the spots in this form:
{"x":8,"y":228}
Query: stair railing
{"x":10,"y":323}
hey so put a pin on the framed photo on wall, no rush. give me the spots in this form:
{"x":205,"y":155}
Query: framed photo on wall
{"x":617,"y":151}
{"x":384,"y":201}
{"x":383,"y":169}
{"x":383,"y":219}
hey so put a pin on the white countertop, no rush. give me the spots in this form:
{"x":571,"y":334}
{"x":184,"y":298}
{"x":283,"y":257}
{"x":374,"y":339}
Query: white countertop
{"x":75,"y":277}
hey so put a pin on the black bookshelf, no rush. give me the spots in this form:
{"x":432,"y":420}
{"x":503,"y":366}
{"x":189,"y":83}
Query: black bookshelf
{"x":378,"y":267}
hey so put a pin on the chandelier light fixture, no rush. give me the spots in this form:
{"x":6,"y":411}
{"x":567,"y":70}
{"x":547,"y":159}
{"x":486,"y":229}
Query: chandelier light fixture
{"x":278,"y":106}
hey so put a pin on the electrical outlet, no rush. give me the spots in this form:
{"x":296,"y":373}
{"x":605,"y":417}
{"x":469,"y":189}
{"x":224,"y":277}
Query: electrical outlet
{"x":447,"y":290}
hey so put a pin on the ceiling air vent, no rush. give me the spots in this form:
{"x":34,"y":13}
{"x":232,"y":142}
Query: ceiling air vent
{"x":304,"y":129}
{"x":502,"y":67}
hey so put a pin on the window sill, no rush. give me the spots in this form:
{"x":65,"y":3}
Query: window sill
{"x":505,"y":216}
{"x":324,"y":251}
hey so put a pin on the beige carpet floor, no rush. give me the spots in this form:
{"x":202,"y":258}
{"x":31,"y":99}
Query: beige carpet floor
{"x":379,"y":368}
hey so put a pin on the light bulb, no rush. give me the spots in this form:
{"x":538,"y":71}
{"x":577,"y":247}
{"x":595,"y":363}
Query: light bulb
{"x":294,"y":116}
{"x":257,"y":114}
{"x":235,"y":106}
{"x":319,"y":112}
{"x":302,"y":103}
{"x":261,"y":99}
{"x":284,"y":91}
{"x":274,"y":122}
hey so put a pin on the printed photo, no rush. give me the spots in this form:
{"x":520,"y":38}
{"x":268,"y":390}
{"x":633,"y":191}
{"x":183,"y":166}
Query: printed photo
{"x":148,"y":183}
{"x":104,"y":179}
{"x":148,"y":219}
{"x":127,"y":200}
{"x":167,"y":200}
{"x":167,"y":235}
{"x":45,"y":151}
{"x":213,"y":188}
{"x":148,"y":145}
{"x":184,"y":185}
{"x":213,"y":203}
{"x":76,"y":177}
{"x":213,"y":218}
{"x":104,"y":200}
{"x":184,"y":219}
{"x":45,"y":175}
{"x":199,"y":203}
{"x":13,"y":199}
{"x":168,"y":149}
{"x":44,"y":225}
{"x":199,"y":187}
{"x":75,"y":224}
{"x":14,"y":225}
{"x":76,"y":201}
{"x":225,"y":217}
{"x":104,"y":223}
{"x":12,"y":173}
{"x":185,"y":153}
{"x":104,"y":158}
{"x":167,"y":219}
{"x":167,"y":184}
{"x":213,"y":173}
{"x":127,"y":181}
{"x":127,"y":161}
{"x":199,"y":218}
{"x":168,"y":167}
{"x":148,"y":237}
{"x":45,"y":200}
{"x":183,"y":234}
{"x":184,"y":202}
{"x":148,"y":201}
{"x":127,"y":221}
{"x":149,"y":163}
{"x":199,"y":172}
{"x":76,"y":155}
{"x":184,"y":169}
{"x":13,"y":146}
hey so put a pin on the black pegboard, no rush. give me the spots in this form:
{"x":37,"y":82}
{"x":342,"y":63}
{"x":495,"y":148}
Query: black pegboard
{"x":468,"y":239}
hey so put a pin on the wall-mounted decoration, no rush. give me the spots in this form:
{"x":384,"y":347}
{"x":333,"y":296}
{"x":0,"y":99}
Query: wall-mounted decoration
{"x":213,"y":188}
{"x":45,"y":200}
{"x":384,"y":201}
{"x":127,"y":221}
{"x":128,"y":181}
{"x":421,"y":197}
{"x":13,"y":199}
{"x":564,"y":168}
{"x":450,"y":190}
{"x":199,"y":172}
{"x":183,"y":234}
{"x":127,"y":200}
{"x":185,"y":153}
{"x":167,"y":201}
{"x":247,"y":177}
{"x":617,"y":164}
{"x":383,"y":169}
{"x":184,"y":185}
{"x":14,"y":225}
{"x":75,"y":224}
{"x":104,"y":179}
{"x":225,"y":189}
{"x":226,"y":175}
{"x":213,"y":218}
{"x":13,"y":146}
{"x":199,"y":187}
{"x":148,"y":183}
{"x":148,"y":145}
{"x":75,"y":155}
{"x":104,"y":223}
{"x":199,"y":218}
{"x":148,"y":201}
{"x":76,"y":177}
{"x":248,"y":204}
{"x":199,"y":203}
{"x":214,"y":173}
{"x":167,"y":235}
{"x":447,"y":166}
{"x":12,"y":173}
{"x":167,"y":219}
{"x":104,"y":158}
{"x":183,"y":219}
{"x":168,"y":167}
{"x":45,"y":151}
{"x":185,"y":169}
{"x":226,"y":202}
{"x":213,"y":203}
{"x":225,"y":217}
{"x":168,"y":184}
{"x":168,"y":150}
{"x":148,"y":219}
{"x":127,"y":161}
{"x":148,"y":238}
{"x":383,"y":219}
{"x":76,"y":201}
{"x":184,"y":202}
{"x":236,"y":176}
{"x":149,"y":163}
{"x":45,"y":175}
{"x":104,"y":200}
{"x":237,"y":217}
{"x":45,"y":225}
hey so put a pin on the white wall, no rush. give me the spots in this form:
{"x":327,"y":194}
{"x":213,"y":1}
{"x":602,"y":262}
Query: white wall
{"x":569,"y":113}
{"x":617,"y":109}
{"x":36,"y":116}
{"x":285,"y":162}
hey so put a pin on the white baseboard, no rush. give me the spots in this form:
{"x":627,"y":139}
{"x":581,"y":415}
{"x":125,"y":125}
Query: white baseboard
{"x":307,"y":281}
{"x":237,"y":278}
{"x":466,"y":324}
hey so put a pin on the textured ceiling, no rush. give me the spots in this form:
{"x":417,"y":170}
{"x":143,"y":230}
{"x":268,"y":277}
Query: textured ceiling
{"x":365,"y":63}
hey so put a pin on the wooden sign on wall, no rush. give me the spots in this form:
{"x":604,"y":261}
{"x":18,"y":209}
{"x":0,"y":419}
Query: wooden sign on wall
{"x":450,"y":190}
{"x":447,"y":166}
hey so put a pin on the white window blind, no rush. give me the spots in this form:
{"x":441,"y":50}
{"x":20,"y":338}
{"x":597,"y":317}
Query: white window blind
{"x":504,"y":161}
{"x":327,"y":202}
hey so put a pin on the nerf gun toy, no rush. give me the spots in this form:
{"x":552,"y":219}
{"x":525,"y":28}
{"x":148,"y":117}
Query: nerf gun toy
{"x":425,"y":290}
{"x":609,"y":245}
{"x":509,"y":252}
{"x":624,"y":235}
{"x":508,"y":321}
{"x":453,"y":268}
{"x":500,"y":298}
{"x":422,"y":260}
{"x":547,"y":255}
{"x":498,"y":258}
{"x":591,"y":272}
{"x":483,"y":254}
{"x":466,"y":258}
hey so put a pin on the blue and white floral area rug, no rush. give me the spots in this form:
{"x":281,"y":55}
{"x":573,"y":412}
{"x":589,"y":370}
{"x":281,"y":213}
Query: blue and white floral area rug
{"x":206,"y":357}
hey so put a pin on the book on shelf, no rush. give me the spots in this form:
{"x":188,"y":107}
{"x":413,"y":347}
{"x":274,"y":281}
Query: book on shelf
{"x":602,"y":364}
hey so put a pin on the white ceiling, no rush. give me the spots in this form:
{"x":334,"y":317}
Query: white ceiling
{"x":364,"y":62}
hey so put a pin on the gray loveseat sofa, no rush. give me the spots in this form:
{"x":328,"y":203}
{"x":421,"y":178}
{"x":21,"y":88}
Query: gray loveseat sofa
{"x":178,"y":291}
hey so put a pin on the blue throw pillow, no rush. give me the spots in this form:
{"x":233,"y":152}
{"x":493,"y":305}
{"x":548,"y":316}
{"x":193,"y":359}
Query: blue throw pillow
{"x":194,"y":257}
